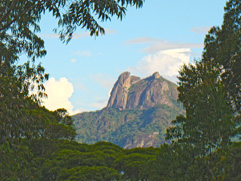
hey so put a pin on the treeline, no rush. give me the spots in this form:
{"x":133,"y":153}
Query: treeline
{"x":45,"y":159}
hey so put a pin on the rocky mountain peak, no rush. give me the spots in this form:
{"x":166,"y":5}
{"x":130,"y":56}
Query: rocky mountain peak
{"x":146,"y":108}
{"x":124,"y":80}
{"x":119,"y":93}
{"x":132,"y":92}
{"x":156,"y":75}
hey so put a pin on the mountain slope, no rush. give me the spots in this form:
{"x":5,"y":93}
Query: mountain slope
{"x":137,"y":114}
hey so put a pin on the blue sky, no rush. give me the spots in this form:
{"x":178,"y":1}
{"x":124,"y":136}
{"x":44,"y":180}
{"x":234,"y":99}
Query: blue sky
{"x":161,"y":36}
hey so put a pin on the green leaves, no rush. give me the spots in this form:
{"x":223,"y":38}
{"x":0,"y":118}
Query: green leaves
{"x":222,"y":48}
{"x":208,"y":123}
{"x":14,"y":162}
{"x":210,"y":93}
{"x":19,"y":22}
{"x":70,"y":160}
{"x":98,"y":173}
{"x":87,"y":13}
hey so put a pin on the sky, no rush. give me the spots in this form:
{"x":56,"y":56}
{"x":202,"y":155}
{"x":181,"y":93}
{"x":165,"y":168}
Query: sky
{"x":161,"y":36}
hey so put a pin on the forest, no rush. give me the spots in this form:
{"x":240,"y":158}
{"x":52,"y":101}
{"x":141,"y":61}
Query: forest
{"x":39,"y":144}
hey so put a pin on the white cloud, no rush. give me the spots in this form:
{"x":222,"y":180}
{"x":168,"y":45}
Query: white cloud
{"x":80,"y":35}
{"x":73,"y":60}
{"x":55,"y":35}
{"x":59,"y":92}
{"x":75,"y":35}
{"x":50,"y":35}
{"x":82,"y":53}
{"x":104,"y":80}
{"x":201,"y":30}
{"x":159,"y":45}
{"x":143,"y":40}
{"x":166,"y":62}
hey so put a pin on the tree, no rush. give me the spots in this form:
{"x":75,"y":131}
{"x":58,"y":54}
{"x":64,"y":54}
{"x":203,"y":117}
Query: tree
{"x":222,"y":48}
{"x":16,"y":120}
{"x":136,"y":164}
{"x":210,"y":89}
{"x":14,"y":162}
{"x":72,"y":160}
{"x":210,"y":92}
{"x":208,"y":124}
{"x":209,"y":121}
{"x":18,"y":27}
{"x":98,"y":173}
{"x":19,"y":22}
{"x":21,"y":116}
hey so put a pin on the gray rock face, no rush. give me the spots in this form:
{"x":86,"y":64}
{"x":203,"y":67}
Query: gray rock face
{"x":119,"y":93}
{"x":143,"y":141}
{"x":132,"y":92}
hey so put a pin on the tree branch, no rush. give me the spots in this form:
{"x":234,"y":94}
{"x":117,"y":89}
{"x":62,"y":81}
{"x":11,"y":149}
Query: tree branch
{"x":19,"y":16}
{"x":13,"y":3}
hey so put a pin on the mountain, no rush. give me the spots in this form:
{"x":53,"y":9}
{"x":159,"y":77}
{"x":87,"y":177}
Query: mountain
{"x":137,"y":114}
{"x":131,"y":92}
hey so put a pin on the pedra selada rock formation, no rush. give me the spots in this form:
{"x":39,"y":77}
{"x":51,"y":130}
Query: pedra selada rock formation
{"x":137,"y":114}
{"x":131,"y":92}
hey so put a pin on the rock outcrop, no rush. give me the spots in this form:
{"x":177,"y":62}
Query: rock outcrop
{"x":137,"y":114}
{"x":144,"y":140}
{"x":119,"y":93}
{"x":132,"y":92}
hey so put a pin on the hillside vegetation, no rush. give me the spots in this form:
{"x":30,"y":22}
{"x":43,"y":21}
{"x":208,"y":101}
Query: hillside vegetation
{"x":126,"y":128}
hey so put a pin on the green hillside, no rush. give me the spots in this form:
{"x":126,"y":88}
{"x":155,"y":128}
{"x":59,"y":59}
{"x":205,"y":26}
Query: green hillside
{"x":126,"y":128}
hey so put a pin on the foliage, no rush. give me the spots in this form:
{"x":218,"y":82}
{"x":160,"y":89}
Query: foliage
{"x":69,"y":160}
{"x":228,"y":162}
{"x":210,"y":92}
{"x":208,"y":123}
{"x":121,"y":127}
{"x":98,"y":173}
{"x":15,"y":102}
{"x":222,"y":48}
{"x":14,"y":162}
{"x":19,"y":22}
{"x":22,"y":118}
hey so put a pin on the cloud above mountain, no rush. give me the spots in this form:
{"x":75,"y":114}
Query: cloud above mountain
{"x":166,"y":62}
{"x":155,"y":44}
